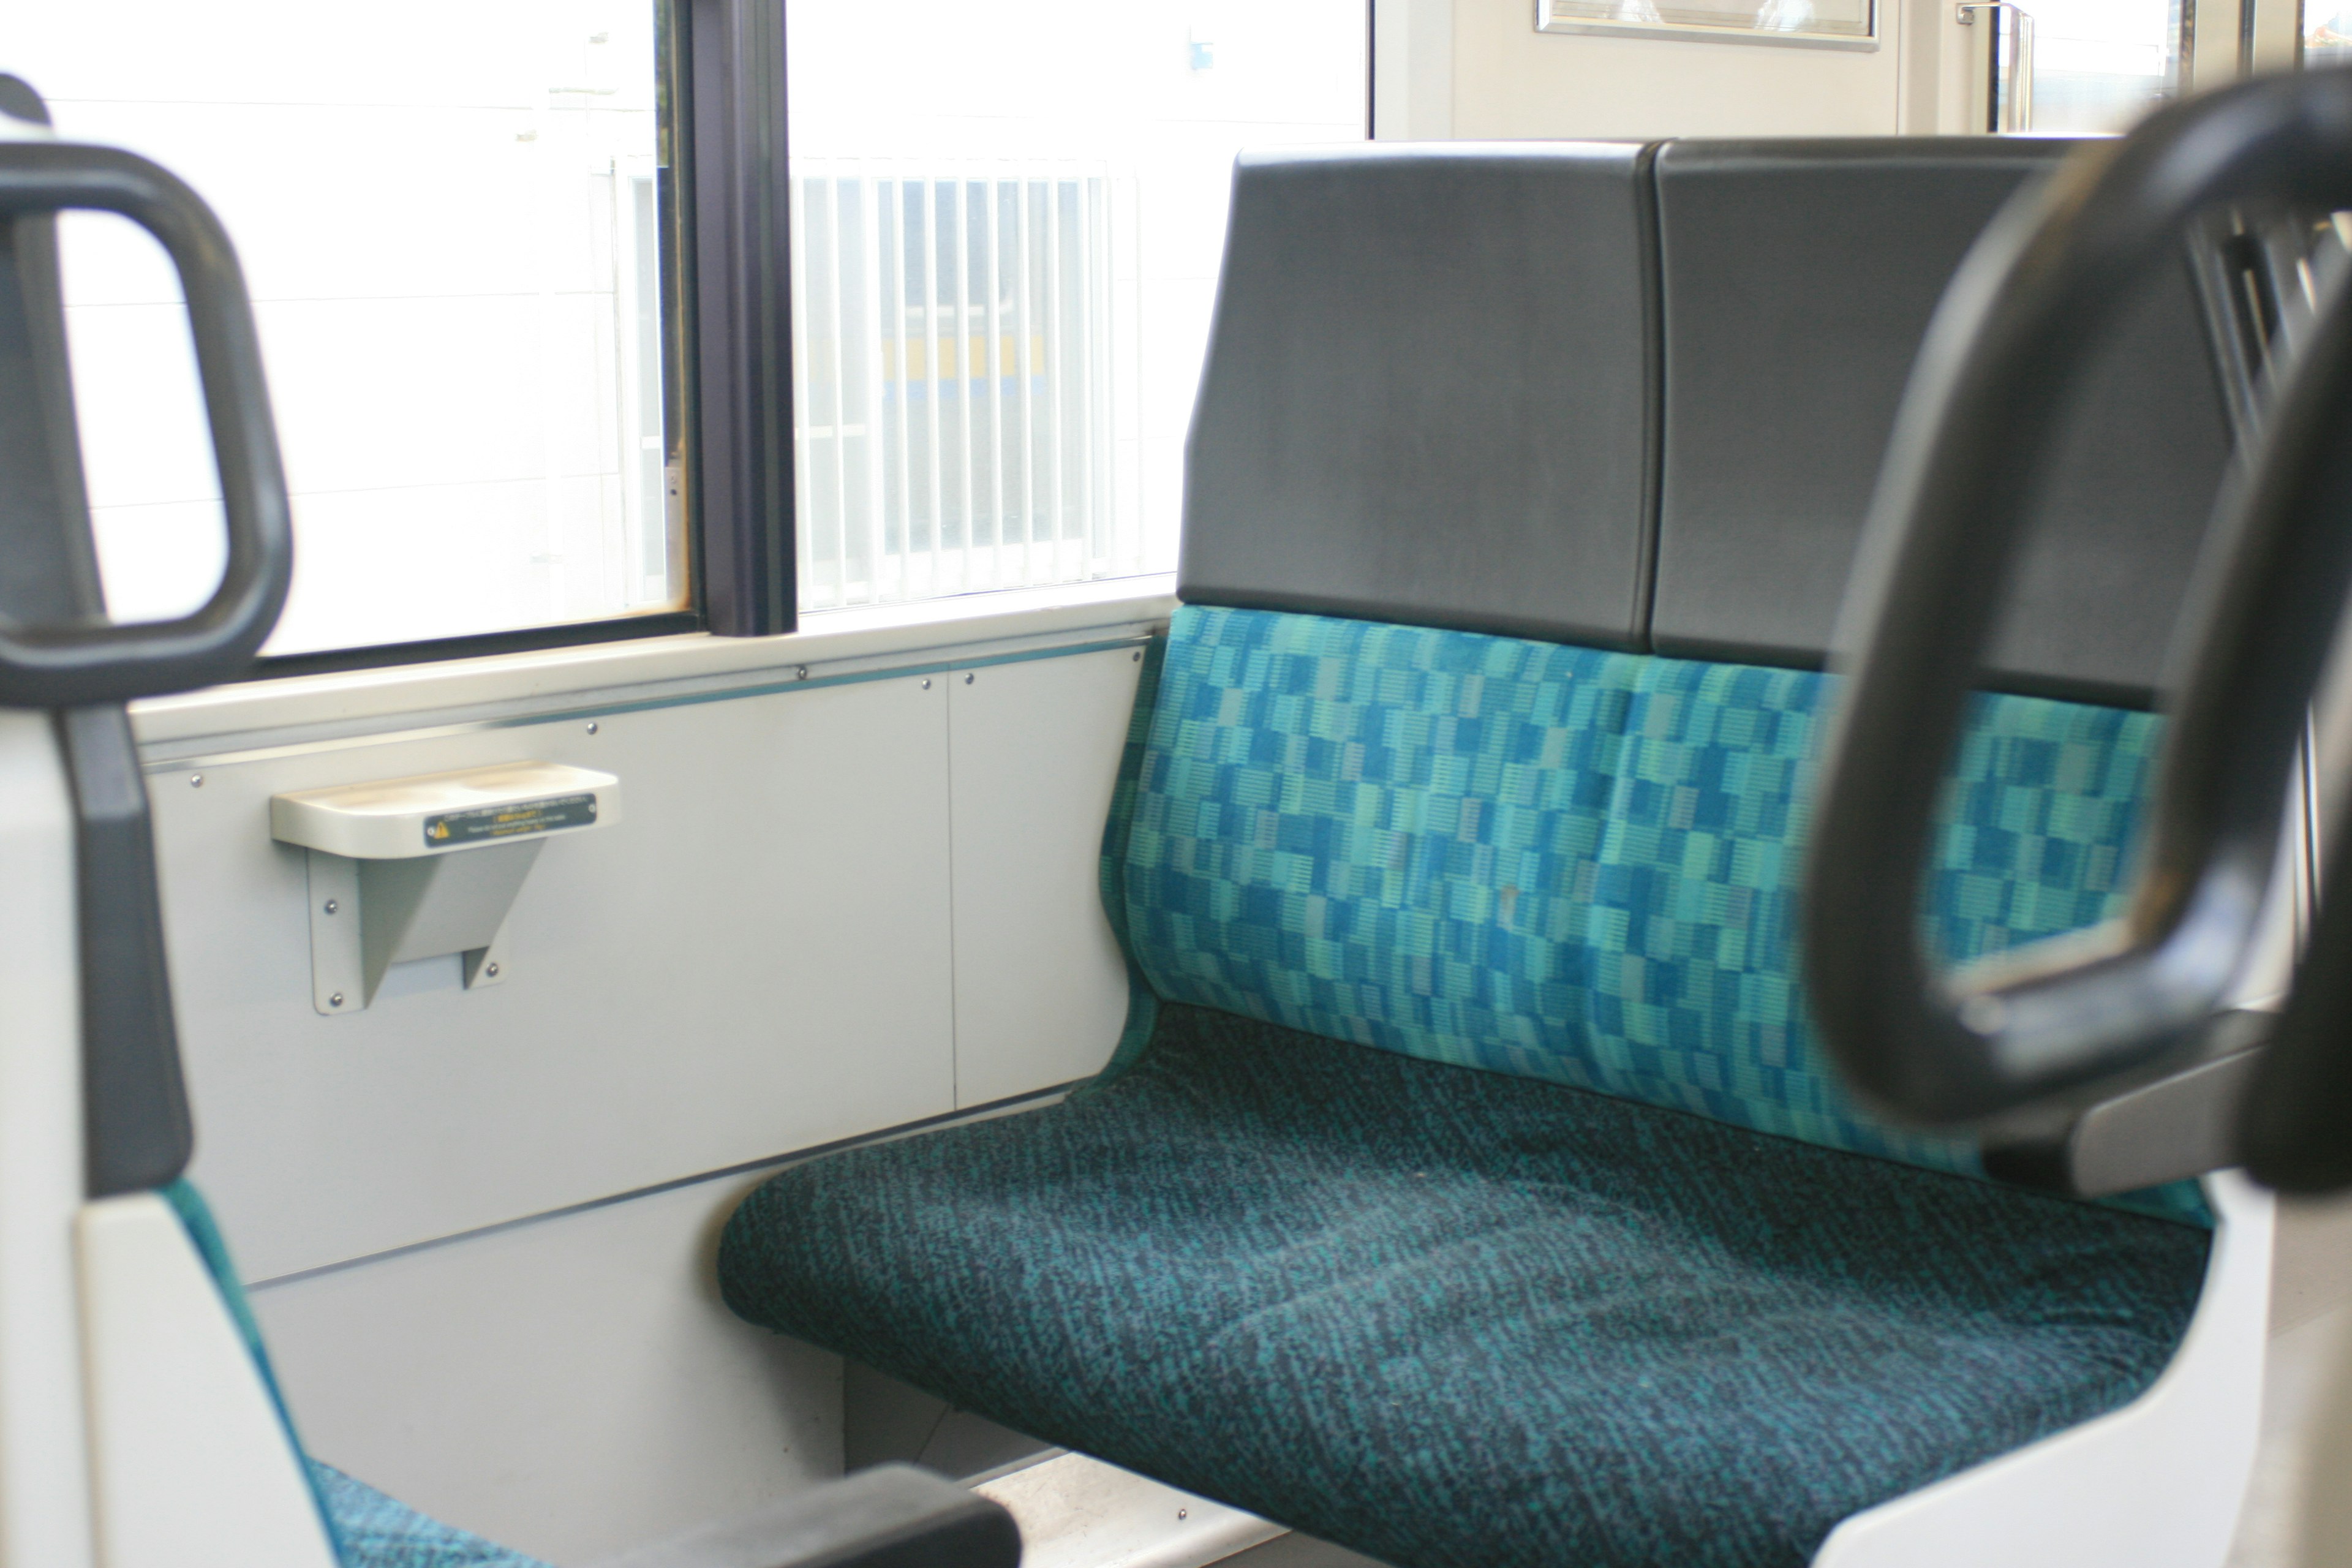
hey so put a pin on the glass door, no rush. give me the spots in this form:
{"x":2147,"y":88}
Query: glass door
{"x":2326,"y":32}
{"x":2100,"y":65}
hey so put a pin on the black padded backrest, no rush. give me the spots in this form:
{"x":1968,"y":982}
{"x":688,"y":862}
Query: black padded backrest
{"x":1430,"y":391}
{"x":1798,"y":278}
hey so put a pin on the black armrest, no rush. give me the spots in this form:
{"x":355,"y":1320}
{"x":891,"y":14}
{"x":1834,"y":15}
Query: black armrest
{"x":893,"y":1516}
{"x":2183,"y":1124}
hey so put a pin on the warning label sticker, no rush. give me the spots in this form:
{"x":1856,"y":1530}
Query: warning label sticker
{"x":456,"y":827}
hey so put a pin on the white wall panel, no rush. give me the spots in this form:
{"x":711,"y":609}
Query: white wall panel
{"x":1413,"y":62}
{"x":570,"y":1388}
{"x":755,"y":958}
{"x":44,"y":1451}
{"x":822,"y":905}
{"x":1041,"y":989}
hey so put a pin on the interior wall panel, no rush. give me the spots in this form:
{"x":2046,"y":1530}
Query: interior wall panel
{"x":824,"y":911}
{"x":1041,"y":989}
{"x":755,"y":958}
{"x":571,"y":1388}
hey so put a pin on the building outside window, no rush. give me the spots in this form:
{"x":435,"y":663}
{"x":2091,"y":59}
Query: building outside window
{"x":1008,"y":221}
{"x":2100,"y":65}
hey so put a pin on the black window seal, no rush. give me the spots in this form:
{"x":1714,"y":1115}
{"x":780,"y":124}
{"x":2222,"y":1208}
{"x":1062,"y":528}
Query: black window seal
{"x":483,"y":645}
{"x":729,"y":103}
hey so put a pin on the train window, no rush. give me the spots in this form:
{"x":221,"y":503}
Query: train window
{"x":2326,"y":32}
{"x":1006,"y":224}
{"x":449,"y":222}
{"x":2099,"y":65}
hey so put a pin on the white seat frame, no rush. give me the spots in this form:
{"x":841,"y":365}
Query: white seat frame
{"x":2157,"y":1484}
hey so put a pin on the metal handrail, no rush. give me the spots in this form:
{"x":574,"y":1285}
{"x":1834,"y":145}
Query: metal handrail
{"x":62,"y":666}
{"x":1981,"y":411}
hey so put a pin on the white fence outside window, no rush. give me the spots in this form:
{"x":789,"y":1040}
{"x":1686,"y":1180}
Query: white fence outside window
{"x":956,"y":407}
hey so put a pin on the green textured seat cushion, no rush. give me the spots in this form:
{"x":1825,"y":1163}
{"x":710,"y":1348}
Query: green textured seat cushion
{"x":1450,"y":1316}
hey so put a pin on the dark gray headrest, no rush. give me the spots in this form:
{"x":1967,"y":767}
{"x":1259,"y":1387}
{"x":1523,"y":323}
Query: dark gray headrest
{"x":1429,"y":390}
{"x":1798,"y":278}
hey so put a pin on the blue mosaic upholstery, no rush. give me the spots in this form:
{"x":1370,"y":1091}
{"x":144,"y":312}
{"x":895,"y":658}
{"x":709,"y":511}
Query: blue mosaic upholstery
{"x":1564,"y":863}
{"x":378,"y":1532}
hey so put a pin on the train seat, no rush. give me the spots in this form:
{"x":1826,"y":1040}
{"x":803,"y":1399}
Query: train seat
{"x":1467,"y":1187}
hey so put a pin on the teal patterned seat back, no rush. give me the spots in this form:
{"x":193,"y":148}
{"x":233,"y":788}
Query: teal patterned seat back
{"x":1566,"y":863}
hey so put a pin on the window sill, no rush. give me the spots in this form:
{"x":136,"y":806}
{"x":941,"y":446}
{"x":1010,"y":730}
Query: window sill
{"x":830,"y":644}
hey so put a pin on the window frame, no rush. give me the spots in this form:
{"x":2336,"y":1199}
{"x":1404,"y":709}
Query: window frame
{"x":725,"y":375}
{"x":728,"y":87}
{"x":723,"y":192}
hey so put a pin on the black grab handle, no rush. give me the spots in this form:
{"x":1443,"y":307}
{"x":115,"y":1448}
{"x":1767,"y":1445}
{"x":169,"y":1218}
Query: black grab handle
{"x":76,"y":665}
{"x":1979,"y":411}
